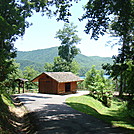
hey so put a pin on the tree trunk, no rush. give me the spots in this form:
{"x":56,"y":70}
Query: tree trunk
{"x":121,"y":86}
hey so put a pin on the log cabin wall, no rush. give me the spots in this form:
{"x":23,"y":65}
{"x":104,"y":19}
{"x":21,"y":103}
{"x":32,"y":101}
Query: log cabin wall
{"x":73,"y":86}
{"x":41,"y":85}
{"x":54,"y":87}
{"x":47,"y":84}
{"x":61,"y":88}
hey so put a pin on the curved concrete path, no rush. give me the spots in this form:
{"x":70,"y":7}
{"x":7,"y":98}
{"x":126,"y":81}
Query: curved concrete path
{"x":50,"y":115}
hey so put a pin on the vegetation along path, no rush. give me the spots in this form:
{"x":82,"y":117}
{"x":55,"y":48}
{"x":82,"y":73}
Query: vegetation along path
{"x":50,"y":115}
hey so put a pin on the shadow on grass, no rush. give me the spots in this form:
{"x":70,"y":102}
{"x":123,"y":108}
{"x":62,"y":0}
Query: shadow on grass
{"x":113,"y":117}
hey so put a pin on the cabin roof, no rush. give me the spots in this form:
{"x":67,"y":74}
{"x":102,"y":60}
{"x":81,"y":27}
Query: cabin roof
{"x":60,"y":77}
{"x":21,"y":79}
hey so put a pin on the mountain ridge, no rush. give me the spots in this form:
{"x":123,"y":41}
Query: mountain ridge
{"x":40,"y":56}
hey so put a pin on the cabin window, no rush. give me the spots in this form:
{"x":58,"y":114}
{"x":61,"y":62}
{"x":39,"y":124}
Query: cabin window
{"x":67,"y":87}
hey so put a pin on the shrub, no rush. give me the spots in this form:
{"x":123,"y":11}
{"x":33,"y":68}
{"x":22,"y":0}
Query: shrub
{"x":100,"y":87}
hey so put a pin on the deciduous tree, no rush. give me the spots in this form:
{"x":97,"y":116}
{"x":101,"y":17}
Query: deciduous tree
{"x":117,"y":18}
{"x":60,"y":65}
{"x":69,"y":39}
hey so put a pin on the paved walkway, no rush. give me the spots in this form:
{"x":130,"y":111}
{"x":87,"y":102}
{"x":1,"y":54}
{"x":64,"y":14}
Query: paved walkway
{"x":50,"y":115}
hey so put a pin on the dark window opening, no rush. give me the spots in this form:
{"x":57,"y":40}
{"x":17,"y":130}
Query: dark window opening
{"x":67,"y":87}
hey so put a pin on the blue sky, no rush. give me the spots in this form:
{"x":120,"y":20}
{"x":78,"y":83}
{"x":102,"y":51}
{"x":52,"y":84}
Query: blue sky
{"x":41,"y":35}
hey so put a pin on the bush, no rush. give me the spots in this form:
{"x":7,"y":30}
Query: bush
{"x":99,"y":87}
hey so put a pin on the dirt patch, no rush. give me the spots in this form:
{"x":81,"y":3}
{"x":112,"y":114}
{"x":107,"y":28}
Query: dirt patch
{"x":19,"y":110}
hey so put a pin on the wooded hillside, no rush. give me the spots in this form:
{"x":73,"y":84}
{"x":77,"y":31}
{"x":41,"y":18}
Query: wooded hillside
{"x":38,"y":58}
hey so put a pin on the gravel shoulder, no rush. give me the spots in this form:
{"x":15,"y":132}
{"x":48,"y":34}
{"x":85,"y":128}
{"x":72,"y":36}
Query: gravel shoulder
{"x":50,"y":115}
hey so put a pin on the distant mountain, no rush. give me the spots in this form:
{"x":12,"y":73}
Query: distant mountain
{"x":38,"y":58}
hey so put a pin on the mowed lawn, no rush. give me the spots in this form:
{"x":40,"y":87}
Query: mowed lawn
{"x":116,"y":114}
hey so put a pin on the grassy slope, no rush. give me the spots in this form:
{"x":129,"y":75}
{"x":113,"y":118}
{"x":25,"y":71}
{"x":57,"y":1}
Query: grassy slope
{"x":5,"y":116}
{"x":113,"y":115}
{"x":13,"y":119}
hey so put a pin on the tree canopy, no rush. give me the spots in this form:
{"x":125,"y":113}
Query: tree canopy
{"x":69,"y":39}
{"x":60,"y":65}
{"x":13,"y":22}
{"x":116,"y":15}
{"x":117,"y":18}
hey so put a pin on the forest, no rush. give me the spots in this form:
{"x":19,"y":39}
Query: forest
{"x":38,"y":58}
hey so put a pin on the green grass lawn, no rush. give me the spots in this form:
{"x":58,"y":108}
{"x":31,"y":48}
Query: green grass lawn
{"x":115,"y":115}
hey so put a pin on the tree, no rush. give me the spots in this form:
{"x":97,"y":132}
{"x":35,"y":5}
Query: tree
{"x":90,"y":77}
{"x":99,"y":87}
{"x":13,"y":22}
{"x":102,"y":15}
{"x":60,"y":65}
{"x":9,"y":83}
{"x":68,"y":38}
{"x":117,"y":17}
{"x":48,"y":67}
{"x":75,"y":67}
{"x":29,"y":73}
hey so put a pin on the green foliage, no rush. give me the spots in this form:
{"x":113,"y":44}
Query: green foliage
{"x":75,"y":67}
{"x":48,"y":67}
{"x":13,"y":22}
{"x":35,"y":59}
{"x":128,"y":108}
{"x":67,"y":51}
{"x":90,"y":77}
{"x":37,"y":66}
{"x":116,"y":16}
{"x":99,"y":87}
{"x":68,"y":38}
{"x":38,"y":56}
{"x":129,"y":80}
{"x":116,"y":114}
{"x":61,"y":65}
{"x":8,"y":85}
{"x":29,"y":73}
{"x":7,"y":53}
{"x":99,"y":12}
{"x":120,"y":72}
{"x":6,"y":126}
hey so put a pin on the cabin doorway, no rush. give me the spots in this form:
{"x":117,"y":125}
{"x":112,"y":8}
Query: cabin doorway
{"x":67,"y":87}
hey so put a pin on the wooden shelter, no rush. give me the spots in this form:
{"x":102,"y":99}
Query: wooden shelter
{"x":57,"y":82}
{"x":21,"y":83}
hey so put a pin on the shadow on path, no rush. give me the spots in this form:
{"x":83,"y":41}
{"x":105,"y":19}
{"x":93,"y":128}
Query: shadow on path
{"x":61,"y":119}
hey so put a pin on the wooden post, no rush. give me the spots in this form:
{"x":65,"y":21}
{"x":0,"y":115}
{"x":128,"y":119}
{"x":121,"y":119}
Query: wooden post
{"x":19,"y":87}
{"x":23,"y":86}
